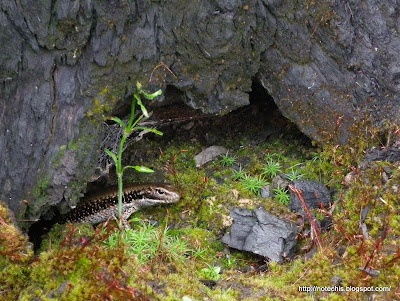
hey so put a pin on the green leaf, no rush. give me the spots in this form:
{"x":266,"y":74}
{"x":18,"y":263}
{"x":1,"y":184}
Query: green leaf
{"x":112,"y":155}
{"x":142,"y":107}
{"x":148,"y":129}
{"x":140,"y":168}
{"x":144,"y":110}
{"x":119,"y":121}
{"x":152,"y":95}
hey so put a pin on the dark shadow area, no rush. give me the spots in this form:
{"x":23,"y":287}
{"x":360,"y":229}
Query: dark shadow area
{"x":39,"y":229}
{"x":259,"y":120}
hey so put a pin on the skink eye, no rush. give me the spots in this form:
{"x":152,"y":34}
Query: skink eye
{"x":159,"y":191}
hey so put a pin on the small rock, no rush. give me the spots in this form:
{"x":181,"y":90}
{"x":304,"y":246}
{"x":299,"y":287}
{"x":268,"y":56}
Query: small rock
{"x":153,"y":223}
{"x":315,"y":195}
{"x":364,"y":213}
{"x":364,"y":230}
{"x":219,"y":180}
{"x":326,"y":223}
{"x":341,"y":251}
{"x":310,"y":254}
{"x":387,"y":169}
{"x":209,"y":283}
{"x":349,"y":178}
{"x":265,"y":192}
{"x":363,"y":218}
{"x":385,"y":177}
{"x":209,"y":154}
{"x":263,"y":268}
{"x":279,"y":182}
{"x":261,"y":233}
{"x":247,"y":269}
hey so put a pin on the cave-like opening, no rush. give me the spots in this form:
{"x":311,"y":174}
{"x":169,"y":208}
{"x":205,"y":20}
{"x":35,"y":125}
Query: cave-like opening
{"x":257,"y":123}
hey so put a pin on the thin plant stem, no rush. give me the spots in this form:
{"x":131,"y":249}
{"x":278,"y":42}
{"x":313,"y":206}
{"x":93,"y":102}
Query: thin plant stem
{"x":127,"y":129}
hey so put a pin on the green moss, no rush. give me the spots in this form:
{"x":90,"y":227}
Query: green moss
{"x":38,"y":197}
{"x":103,"y":103}
{"x":16,"y":256}
{"x":57,"y":234}
{"x":41,"y":187}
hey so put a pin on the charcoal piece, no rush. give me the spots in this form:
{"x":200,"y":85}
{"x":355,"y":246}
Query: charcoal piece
{"x":261,"y":233}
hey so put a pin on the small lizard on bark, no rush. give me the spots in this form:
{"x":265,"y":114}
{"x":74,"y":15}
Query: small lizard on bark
{"x":102,"y":206}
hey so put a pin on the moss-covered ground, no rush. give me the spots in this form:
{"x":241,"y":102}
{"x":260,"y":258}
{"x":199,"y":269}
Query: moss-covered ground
{"x":185,"y":259}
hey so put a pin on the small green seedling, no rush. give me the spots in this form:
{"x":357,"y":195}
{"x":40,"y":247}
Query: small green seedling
{"x":128,"y":128}
{"x":274,"y":156}
{"x":229,"y":262}
{"x":316,"y":157}
{"x":282,"y":195}
{"x":272,"y":169}
{"x":211,"y":273}
{"x":238,"y":174}
{"x":294,"y":175}
{"x":227,"y":160}
{"x":253,"y":184}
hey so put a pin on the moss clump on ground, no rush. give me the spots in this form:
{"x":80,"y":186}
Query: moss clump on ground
{"x":16,"y":256}
{"x":80,"y":267}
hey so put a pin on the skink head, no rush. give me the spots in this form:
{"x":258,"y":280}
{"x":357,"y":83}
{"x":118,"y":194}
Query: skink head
{"x":164,"y":193}
{"x":155,"y":192}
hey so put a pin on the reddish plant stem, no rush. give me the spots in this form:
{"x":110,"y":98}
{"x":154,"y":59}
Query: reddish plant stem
{"x":378,"y":247}
{"x":315,"y":229}
{"x":338,"y":225}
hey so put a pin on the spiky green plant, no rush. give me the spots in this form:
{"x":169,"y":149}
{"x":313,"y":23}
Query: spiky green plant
{"x":316,"y":156}
{"x":269,"y":157}
{"x":238,"y":174}
{"x":253,"y":184}
{"x":272,"y":169}
{"x":227,"y":160}
{"x":282,"y":195}
{"x":294,"y":174}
